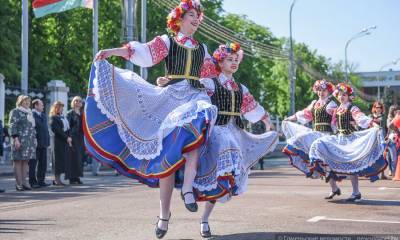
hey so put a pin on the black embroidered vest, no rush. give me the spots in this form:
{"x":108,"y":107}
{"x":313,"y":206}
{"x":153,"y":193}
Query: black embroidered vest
{"x":184,"y":63}
{"x":229,"y":104}
{"x":344,"y":121}
{"x":322,"y":120}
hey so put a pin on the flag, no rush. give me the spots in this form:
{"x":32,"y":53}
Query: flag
{"x":44,"y":7}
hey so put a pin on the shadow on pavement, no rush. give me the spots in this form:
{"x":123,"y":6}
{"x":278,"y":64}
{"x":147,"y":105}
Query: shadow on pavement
{"x":371,"y":202}
{"x":286,"y":235}
{"x":17,"y":226}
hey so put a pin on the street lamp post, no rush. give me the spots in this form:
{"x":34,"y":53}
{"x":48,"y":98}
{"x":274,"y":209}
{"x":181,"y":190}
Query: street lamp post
{"x":292,"y":75}
{"x":394,"y":62}
{"x":364,"y":32}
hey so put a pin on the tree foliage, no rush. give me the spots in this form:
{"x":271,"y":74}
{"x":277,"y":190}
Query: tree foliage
{"x":60,"y":47}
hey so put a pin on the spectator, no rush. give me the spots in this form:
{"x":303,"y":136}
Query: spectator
{"x":259,"y":128}
{"x":74,"y":169}
{"x":1,"y":142}
{"x":43,"y":140}
{"x":391,"y":154}
{"x":377,"y":115}
{"x":62,"y":140}
{"x":395,"y":125}
{"x":6,"y":144}
{"x":1,"y":147}
{"x":23,"y":148}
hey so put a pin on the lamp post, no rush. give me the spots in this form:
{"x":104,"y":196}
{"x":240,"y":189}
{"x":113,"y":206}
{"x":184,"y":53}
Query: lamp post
{"x":394,"y":62}
{"x":362,"y":33}
{"x":292,"y":75}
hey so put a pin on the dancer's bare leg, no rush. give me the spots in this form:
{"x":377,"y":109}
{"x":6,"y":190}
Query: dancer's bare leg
{"x":333,"y":185}
{"x":208,"y":208}
{"x":354,"y":184}
{"x":190,"y":174}
{"x":166,"y":188}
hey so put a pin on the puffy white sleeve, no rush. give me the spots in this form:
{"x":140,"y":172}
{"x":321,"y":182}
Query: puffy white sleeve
{"x":209,"y":85}
{"x":330,"y":108}
{"x":251,"y":109}
{"x":361,"y":119}
{"x":151,"y":53}
{"x":305,"y":116}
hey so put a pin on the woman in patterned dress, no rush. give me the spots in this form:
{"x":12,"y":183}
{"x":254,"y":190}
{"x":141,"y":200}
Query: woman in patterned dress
{"x":23,"y":147}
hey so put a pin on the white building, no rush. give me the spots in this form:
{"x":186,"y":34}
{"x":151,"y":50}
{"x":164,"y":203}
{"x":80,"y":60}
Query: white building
{"x":387,"y":81}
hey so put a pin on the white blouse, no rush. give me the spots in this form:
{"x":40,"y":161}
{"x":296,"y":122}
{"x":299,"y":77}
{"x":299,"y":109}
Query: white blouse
{"x":251,"y":109}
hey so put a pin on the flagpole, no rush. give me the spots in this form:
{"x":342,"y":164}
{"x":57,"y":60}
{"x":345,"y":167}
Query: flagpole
{"x":95,"y":27}
{"x":129,"y":27}
{"x":143,"y":23}
{"x":24,"y":47}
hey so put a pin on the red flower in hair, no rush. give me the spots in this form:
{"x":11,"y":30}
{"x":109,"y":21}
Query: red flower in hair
{"x":175,"y":16}
{"x":344,"y":88}
{"x":323,"y":84}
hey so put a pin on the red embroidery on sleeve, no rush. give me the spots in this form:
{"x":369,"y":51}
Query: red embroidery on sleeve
{"x":248,"y":104}
{"x":158,"y":50}
{"x":265,"y":117}
{"x":208,"y":70}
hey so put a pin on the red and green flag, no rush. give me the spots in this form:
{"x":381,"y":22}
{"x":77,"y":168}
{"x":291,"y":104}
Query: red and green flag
{"x":44,"y":7}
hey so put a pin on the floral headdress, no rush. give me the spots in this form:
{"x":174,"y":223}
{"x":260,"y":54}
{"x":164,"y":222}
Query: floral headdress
{"x":224,"y":50}
{"x":175,"y":16}
{"x":323,"y":84}
{"x":344,"y":88}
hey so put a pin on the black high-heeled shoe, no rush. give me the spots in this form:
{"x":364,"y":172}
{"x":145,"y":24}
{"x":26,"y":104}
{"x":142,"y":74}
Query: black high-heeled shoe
{"x":60,"y":184}
{"x":26,"y":188}
{"x":207,"y":233}
{"x":160,"y":233}
{"x":332,"y":194}
{"x":354,"y":198}
{"x":19,"y":188}
{"x":192,"y":207}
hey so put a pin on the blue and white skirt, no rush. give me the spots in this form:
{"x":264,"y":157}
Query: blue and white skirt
{"x":236,"y":151}
{"x":299,"y":140}
{"x":143,"y":131}
{"x":360,"y":153}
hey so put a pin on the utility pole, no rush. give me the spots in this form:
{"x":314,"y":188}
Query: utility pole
{"x":129,"y":11}
{"x":24,"y":47}
{"x":292,"y":74}
{"x":143,"y":23}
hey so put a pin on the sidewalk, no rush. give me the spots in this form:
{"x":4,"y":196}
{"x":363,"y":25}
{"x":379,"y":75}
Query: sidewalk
{"x":7,"y":170}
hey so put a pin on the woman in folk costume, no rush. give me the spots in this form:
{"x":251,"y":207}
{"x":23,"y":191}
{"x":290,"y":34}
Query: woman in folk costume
{"x":234,"y":150}
{"x":349,"y":152}
{"x":299,"y":138}
{"x":147,"y":132}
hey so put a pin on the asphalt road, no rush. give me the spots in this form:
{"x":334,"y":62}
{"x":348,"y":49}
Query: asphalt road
{"x":280,"y":204}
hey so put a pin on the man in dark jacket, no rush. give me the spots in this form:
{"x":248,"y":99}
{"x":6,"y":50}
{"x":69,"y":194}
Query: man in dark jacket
{"x":43,"y":142}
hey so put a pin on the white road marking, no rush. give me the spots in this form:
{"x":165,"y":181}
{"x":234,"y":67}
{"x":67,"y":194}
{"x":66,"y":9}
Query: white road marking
{"x":323,"y":218}
{"x":388,"y":188}
{"x":316,"y":219}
